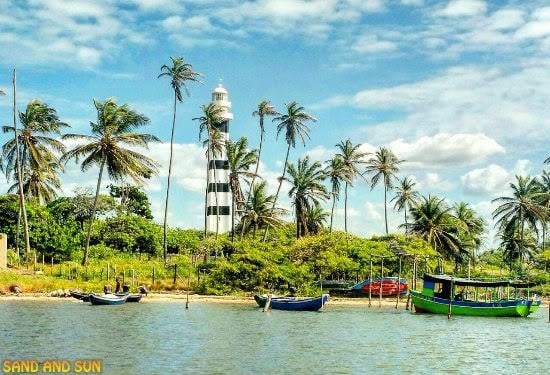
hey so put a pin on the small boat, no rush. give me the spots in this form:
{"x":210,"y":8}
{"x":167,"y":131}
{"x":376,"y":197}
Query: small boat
{"x":293,"y":303}
{"x":131,"y":297}
{"x":261,"y":299}
{"x":444,"y":294}
{"x":84,"y":297}
{"x":107,"y":299}
{"x":385,"y":287}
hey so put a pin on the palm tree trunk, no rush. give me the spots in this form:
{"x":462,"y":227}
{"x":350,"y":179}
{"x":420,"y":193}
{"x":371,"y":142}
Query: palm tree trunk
{"x":298,"y":216}
{"x":18,"y":234}
{"x":216,"y":200}
{"x":521,"y":239}
{"x":332,"y":211}
{"x":85,"y":257}
{"x":20,"y":171}
{"x":206,"y":192}
{"x":346,"y":208}
{"x":386,"y":207}
{"x":278,"y":189}
{"x":406,"y":224}
{"x":164,"y":243}
{"x":255,"y":171}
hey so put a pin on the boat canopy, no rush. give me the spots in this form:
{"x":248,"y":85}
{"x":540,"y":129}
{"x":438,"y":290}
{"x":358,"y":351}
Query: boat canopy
{"x":446,"y":279}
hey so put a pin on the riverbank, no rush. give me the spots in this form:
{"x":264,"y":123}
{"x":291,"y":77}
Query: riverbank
{"x":197,"y":298}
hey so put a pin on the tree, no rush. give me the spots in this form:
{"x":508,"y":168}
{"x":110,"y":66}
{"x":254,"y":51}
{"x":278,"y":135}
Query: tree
{"x":517,"y":246}
{"x":433,"y":222}
{"x":37,"y":149}
{"x":258,"y":213}
{"x":543,"y":200}
{"x":383,"y":166}
{"x":307,"y":190}
{"x":547,"y":161}
{"x":352,"y":157}
{"x":240,"y":160}
{"x":405,"y":197}
{"x":212,"y":115}
{"x":132,"y":200}
{"x":265,"y":108}
{"x":113,"y":130}
{"x":519,"y":209}
{"x":337,"y":171}
{"x":470,"y":228}
{"x":316,"y":218}
{"x":179,"y":73}
{"x":294,"y":124}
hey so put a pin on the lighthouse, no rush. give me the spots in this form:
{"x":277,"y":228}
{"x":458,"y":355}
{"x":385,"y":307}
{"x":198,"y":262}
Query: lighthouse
{"x":218,"y":172}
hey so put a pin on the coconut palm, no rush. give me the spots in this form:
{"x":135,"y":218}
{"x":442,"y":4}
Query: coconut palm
{"x":516,"y":246}
{"x":547,"y":161}
{"x":353,"y":158}
{"x":337,"y":171}
{"x":179,"y":73}
{"x":258,"y":213}
{"x":405,"y":197}
{"x":34,"y":148}
{"x":383,"y":165}
{"x":543,"y":200}
{"x":520,"y":208}
{"x":294,"y":124}
{"x":306,"y":190}
{"x":40,"y":184}
{"x":105,"y":148}
{"x":240,"y":160}
{"x":38,"y":149}
{"x":432,"y":220}
{"x":470,"y":227}
{"x":211,"y":115}
{"x":316,"y":218}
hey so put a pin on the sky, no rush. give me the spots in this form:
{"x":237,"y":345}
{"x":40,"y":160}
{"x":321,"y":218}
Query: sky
{"x":459,"y":89}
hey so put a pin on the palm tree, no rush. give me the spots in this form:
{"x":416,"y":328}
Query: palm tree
{"x":40,"y":184}
{"x":543,"y":200}
{"x":547,"y":161}
{"x":352,"y":157}
{"x":470,"y":227}
{"x":114,"y":129}
{"x":432,"y":221}
{"x":258,"y":212}
{"x":337,"y":171}
{"x":514,"y":247}
{"x":33,"y":149}
{"x":215,"y":144}
{"x":519,"y":209}
{"x":405,"y":197}
{"x":240,"y":160}
{"x":316,"y":218}
{"x":179,"y":74}
{"x":306,"y":190}
{"x":384,"y":166}
{"x":294,"y":125}
{"x":212,"y":115}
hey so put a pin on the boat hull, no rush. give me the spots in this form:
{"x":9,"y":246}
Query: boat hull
{"x":503,"y":308}
{"x":131,"y":297}
{"x":386,"y":286}
{"x":292,"y":304}
{"x":107,"y":300}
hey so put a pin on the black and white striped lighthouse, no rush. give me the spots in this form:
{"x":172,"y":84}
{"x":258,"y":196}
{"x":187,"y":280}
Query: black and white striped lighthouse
{"x":218,"y":172}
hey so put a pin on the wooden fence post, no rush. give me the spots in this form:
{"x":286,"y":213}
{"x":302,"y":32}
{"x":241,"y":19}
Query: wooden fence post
{"x":175,"y":273}
{"x":153,"y":277}
{"x":108,"y":271}
{"x":133,"y":277}
{"x":398,"y":283}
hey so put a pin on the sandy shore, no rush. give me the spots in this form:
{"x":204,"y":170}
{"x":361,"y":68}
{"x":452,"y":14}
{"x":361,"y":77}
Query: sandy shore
{"x":196,"y":298}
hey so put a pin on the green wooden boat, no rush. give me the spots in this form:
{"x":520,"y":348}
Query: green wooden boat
{"x":443,"y":294}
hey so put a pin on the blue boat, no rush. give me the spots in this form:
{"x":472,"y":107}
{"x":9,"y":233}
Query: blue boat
{"x":107,"y":299}
{"x":297,"y":304}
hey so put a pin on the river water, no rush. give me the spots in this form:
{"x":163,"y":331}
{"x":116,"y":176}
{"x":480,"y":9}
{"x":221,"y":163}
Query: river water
{"x":164,"y":338}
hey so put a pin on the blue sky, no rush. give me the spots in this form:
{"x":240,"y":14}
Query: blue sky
{"x":459,"y":88}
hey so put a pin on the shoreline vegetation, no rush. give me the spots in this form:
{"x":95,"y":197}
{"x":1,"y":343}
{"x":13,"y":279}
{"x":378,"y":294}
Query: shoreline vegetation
{"x":88,"y":239}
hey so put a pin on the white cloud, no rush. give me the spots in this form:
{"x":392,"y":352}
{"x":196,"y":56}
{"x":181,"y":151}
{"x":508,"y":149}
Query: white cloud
{"x":172,"y":23}
{"x":463,"y":8}
{"x":373,"y":44}
{"x":434,"y":182}
{"x":446,"y":149}
{"x":489,"y":180}
{"x":538,"y":26}
{"x":413,"y":2}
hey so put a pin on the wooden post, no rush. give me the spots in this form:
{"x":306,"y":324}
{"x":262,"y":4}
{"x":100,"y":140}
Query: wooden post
{"x":414,"y":272}
{"x":449,"y":313}
{"x":370,"y":283}
{"x":133,"y":277}
{"x":381,"y":276}
{"x":398,"y":283}
{"x":188,"y":286}
{"x":116,"y":275}
{"x":408,"y":299}
{"x":43,"y":264}
{"x":51,"y":271}
{"x":123,"y":276}
{"x":153,"y":277}
{"x":175,"y":273}
{"x":108,"y":271}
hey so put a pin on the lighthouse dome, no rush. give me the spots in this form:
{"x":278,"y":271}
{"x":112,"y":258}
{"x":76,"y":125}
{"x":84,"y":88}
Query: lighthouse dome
{"x":219,"y":90}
